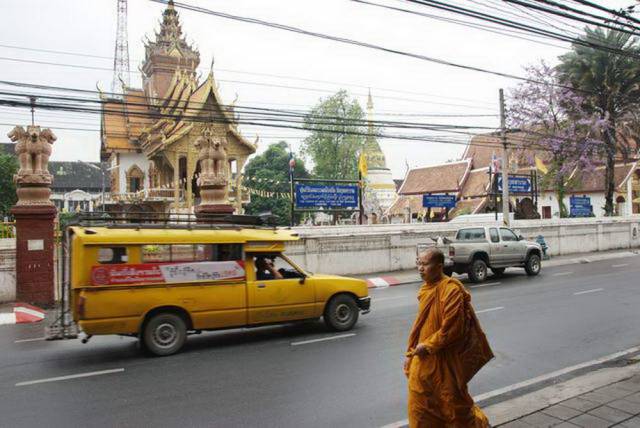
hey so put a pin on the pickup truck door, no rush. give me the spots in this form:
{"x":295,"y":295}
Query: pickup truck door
{"x":282,"y":299}
{"x":497,"y":254}
{"x":512,"y":247}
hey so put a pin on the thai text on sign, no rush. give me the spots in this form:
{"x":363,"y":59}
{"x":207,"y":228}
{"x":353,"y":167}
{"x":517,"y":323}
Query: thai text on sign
{"x":150,"y":273}
{"x":327,"y":196}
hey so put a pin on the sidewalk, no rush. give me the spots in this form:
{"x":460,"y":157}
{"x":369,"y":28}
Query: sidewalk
{"x":606,"y":397}
{"x":386,"y":279}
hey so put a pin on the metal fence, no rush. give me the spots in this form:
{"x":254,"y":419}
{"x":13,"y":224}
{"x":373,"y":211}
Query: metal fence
{"x":7,"y":229}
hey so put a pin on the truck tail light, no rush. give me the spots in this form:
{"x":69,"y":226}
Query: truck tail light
{"x":452,"y":252}
{"x":81,"y":306}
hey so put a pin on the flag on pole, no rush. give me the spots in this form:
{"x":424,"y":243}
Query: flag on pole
{"x":495,"y":163}
{"x":362,"y":164}
{"x":541,"y":166}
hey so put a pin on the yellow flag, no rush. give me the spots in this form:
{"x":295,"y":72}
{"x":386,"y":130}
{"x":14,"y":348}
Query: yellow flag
{"x":362,"y":164}
{"x":541,"y":166}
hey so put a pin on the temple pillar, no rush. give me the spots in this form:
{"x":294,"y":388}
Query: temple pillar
{"x":35,"y":215}
{"x":176,"y":180}
{"x":191,"y":170}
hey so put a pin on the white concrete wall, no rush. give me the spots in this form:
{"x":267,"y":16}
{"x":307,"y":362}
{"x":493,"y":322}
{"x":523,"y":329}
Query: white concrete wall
{"x":7,"y":270}
{"x":346,"y":250}
{"x":127,"y":160}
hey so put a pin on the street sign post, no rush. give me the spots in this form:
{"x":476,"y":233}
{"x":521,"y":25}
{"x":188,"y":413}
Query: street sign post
{"x":439,"y":201}
{"x":580,"y":206}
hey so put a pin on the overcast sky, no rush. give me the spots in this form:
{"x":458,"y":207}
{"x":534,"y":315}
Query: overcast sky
{"x":399,"y":85}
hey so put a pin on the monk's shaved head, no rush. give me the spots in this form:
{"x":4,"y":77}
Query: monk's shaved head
{"x":431,"y":264}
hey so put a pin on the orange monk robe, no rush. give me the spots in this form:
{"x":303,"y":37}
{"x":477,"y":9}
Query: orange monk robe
{"x":438,"y":397}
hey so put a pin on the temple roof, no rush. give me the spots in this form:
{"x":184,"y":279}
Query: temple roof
{"x":443,"y":178}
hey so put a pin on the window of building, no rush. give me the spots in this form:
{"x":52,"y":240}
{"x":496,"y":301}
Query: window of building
{"x":546,"y":212}
{"x":112,"y":255}
{"x":135,"y":179}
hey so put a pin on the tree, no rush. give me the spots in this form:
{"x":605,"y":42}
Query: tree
{"x":338,"y":132}
{"x":268,"y":173}
{"x":8,"y":197}
{"x":610,"y":83}
{"x":553,"y":122}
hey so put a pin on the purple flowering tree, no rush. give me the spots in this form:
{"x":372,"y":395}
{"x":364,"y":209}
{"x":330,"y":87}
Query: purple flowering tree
{"x":554,"y":130}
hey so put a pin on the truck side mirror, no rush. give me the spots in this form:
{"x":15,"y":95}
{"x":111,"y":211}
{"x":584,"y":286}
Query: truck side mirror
{"x":520,"y":238}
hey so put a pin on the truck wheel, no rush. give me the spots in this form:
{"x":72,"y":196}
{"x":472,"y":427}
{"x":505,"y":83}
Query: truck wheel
{"x":532,"y":264}
{"x":477,"y":271}
{"x":341,"y":313}
{"x":164,"y":334}
{"x":498,"y":271}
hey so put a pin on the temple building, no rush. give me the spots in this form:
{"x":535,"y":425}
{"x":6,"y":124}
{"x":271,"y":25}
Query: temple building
{"x":149,"y":135}
{"x":380,"y":189}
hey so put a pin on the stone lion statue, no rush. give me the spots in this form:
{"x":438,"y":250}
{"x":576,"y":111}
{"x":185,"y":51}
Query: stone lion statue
{"x":212,"y":154}
{"x":33,"y":148}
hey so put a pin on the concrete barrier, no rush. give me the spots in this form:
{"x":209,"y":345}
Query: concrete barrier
{"x":7,"y":270}
{"x":344,"y":250}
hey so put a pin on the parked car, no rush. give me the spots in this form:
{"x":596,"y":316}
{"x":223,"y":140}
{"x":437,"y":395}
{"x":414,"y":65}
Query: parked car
{"x":477,"y":249}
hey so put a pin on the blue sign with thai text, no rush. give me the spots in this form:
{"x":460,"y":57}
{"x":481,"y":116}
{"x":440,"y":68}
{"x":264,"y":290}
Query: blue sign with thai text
{"x":580,"y":206}
{"x":439,"y":201}
{"x":517,"y":184}
{"x":326,"y":196}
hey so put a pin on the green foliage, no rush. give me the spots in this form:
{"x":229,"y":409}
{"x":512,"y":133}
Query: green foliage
{"x":263,"y":173}
{"x":8,"y":197}
{"x":611,"y":86}
{"x":332,"y":145}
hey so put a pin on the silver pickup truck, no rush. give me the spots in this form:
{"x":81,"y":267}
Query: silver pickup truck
{"x":476,"y":249}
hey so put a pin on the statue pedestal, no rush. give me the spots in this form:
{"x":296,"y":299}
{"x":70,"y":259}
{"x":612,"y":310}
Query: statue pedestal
{"x":214,"y":203}
{"x":35,"y":246}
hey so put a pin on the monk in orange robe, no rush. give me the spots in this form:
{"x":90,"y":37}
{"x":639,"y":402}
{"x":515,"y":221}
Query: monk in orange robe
{"x":436,"y":366}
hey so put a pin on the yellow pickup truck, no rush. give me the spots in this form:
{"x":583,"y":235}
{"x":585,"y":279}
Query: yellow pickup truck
{"x":162,"y":283}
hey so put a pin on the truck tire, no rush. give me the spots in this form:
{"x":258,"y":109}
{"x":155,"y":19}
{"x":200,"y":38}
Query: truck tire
{"x":477,"y":271}
{"x":532,"y":264}
{"x":164,"y":334}
{"x":498,"y":271}
{"x":341,"y":313}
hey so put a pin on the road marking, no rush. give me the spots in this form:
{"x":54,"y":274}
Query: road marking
{"x":488,"y":284}
{"x":595,"y":290}
{"x":7,"y":318}
{"x":35,"y":339}
{"x":620,"y":265}
{"x":490,"y":310}
{"x":538,"y":379}
{"x":75,"y":376}
{"x":381,"y":299}
{"x":562,"y":273}
{"x":322,"y":339}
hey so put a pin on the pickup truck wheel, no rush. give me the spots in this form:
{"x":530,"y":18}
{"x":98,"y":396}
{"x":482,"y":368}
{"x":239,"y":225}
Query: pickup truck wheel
{"x":532,"y":265}
{"x":341,"y":313}
{"x":164,"y":334}
{"x":498,"y":271}
{"x":477,"y":271}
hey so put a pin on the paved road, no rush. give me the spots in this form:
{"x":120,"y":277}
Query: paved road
{"x":274,"y":377}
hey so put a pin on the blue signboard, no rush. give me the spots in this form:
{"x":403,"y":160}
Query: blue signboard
{"x":439,"y":201}
{"x":517,"y":184}
{"x":326,"y":196}
{"x":580,"y":206}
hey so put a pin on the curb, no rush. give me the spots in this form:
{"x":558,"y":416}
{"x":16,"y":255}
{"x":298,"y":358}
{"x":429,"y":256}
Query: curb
{"x":384,"y":281}
{"x":21,"y":313}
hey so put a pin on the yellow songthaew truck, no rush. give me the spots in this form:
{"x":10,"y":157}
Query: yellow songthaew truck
{"x":160,"y":283}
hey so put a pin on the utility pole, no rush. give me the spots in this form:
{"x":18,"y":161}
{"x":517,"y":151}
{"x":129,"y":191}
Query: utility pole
{"x":505,"y":162}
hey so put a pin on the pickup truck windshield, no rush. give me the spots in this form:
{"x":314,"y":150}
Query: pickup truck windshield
{"x":471,"y":234}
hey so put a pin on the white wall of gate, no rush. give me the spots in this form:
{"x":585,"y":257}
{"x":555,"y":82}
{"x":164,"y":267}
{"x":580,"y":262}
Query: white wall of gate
{"x":344,"y":250}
